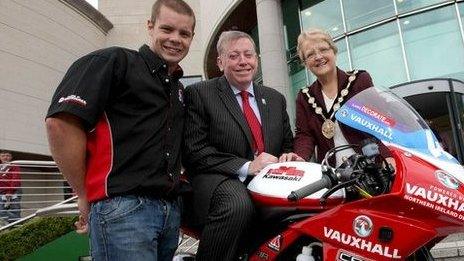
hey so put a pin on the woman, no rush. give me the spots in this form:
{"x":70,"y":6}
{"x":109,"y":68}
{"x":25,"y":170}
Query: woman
{"x":316,"y":105}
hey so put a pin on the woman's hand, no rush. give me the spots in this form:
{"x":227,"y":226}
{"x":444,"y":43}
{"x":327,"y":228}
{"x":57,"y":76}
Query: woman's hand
{"x":290,"y":157}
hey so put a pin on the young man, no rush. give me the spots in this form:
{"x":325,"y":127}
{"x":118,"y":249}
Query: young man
{"x":115,"y":130}
{"x":10,"y":188}
{"x":233,"y":129}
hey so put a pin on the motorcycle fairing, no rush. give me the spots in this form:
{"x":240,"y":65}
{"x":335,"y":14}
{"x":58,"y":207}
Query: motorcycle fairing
{"x":273,"y":184}
{"x":390,"y":119}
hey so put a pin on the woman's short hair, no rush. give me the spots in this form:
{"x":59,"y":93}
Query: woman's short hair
{"x":314,"y":34}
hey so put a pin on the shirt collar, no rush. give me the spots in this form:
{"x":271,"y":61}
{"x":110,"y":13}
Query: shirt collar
{"x":156,"y":64}
{"x":250,"y":90}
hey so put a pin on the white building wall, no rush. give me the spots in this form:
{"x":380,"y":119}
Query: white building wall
{"x":214,"y":12}
{"x":38,"y":41}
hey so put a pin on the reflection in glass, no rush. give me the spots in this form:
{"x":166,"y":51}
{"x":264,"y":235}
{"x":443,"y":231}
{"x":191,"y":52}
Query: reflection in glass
{"x":325,"y":15}
{"x":410,"y":5}
{"x":433,"y":107}
{"x":460,"y":111}
{"x":360,"y":13}
{"x":433,"y":44}
{"x":378,"y":51}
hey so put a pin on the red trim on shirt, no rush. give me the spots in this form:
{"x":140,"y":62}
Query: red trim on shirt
{"x":99,"y":160}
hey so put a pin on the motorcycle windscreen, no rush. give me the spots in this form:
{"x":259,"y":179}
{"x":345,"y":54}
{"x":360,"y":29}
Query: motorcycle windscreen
{"x":391,"y":119}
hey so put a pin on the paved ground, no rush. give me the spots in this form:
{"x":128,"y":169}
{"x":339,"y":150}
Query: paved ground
{"x":451,"y":248}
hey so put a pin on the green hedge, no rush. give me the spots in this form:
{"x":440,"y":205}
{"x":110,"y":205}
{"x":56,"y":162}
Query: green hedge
{"x":20,"y":241}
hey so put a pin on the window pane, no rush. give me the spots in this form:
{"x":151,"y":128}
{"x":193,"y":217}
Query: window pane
{"x":433,"y":44}
{"x":297,"y":76}
{"x":360,"y":13}
{"x":291,"y":26}
{"x":461,"y":10}
{"x":378,"y":51}
{"x":460,"y":75}
{"x":342,"y":56}
{"x":409,"y":5}
{"x":325,"y":15}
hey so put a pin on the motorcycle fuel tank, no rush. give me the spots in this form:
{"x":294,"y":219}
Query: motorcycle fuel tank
{"x":274,"y":183}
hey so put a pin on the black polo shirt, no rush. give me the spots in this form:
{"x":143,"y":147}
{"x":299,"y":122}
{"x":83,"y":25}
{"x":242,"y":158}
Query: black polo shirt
{"x":134,"y":114}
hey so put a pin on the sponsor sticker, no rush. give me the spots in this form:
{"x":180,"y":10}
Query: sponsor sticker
{"x":373,"y":113}
{"x":262,"y":255}
{"x":362,"y":226}
{"x":385,"y":132}
{"x":285,"y":173}
{"x":275,"y":243}
{"x":361,"y":244}
{"x":73,"y":99}
{"x":447,"y":180}
{"x":439,"y":199}
{"x":344,"y":113}
{"x":347,"y":256}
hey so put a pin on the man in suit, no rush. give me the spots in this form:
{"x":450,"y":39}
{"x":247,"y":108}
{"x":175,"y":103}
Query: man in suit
{"x":233,"y":129}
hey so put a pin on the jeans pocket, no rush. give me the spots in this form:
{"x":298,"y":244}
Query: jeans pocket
{"x":118,"y":207}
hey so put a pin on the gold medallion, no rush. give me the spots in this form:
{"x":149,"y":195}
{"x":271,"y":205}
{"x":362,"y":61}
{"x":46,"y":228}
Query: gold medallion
{"x":328,"y":128}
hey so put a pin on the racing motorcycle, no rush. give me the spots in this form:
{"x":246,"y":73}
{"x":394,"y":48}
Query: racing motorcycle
{"x":363,"y":209}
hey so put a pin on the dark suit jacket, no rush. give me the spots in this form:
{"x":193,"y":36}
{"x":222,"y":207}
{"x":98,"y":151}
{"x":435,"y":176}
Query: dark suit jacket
{"x":218,"y":140}
{"x":308,"y":133}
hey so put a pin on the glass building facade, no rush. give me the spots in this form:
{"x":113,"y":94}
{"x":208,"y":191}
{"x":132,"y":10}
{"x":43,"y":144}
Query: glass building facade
{"x":397,"y":41}
{"x":414,"y":47}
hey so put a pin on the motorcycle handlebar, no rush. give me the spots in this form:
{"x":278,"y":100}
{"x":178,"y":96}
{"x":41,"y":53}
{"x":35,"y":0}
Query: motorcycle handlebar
{"x":312,"y":188}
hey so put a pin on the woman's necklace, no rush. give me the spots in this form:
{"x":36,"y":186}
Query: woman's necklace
{"x":328,"y":127}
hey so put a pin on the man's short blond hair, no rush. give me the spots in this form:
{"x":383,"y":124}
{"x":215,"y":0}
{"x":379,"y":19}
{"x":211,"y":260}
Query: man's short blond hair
{"x":314,"y":35}
{"x":227,"y":37}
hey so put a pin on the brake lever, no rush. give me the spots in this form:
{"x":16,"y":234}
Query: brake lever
{"x":329,"y":192}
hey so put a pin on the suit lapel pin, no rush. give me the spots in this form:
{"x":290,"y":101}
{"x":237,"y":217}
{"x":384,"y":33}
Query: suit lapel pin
{"x":263,"y":101}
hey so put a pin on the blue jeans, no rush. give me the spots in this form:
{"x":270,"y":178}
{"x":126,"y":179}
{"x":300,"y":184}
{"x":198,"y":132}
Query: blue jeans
{"x":12,"y":212}
{"x":134,"y":228}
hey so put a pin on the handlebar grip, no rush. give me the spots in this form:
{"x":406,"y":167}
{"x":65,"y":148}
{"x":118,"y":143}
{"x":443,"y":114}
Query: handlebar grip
{"x":312,"y":188}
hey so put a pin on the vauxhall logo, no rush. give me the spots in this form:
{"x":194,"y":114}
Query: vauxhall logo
{"x":362,"y":244}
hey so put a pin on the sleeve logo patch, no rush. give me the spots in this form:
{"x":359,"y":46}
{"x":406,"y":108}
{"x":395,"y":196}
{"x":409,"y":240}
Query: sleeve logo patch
{"x":73,"y":99}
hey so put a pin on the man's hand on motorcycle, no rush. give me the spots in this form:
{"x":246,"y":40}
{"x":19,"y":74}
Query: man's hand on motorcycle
{"x":290,"y":157}
{"x":260,"y":162}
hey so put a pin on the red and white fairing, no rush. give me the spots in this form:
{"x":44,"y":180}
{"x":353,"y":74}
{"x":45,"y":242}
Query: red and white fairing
{"x":274,"y":183}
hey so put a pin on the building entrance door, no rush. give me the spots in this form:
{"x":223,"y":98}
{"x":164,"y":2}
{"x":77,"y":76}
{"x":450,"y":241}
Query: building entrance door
{"x":441,"y":103}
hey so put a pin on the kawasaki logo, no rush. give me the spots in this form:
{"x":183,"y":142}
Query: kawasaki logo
{"x":285,"y":173}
